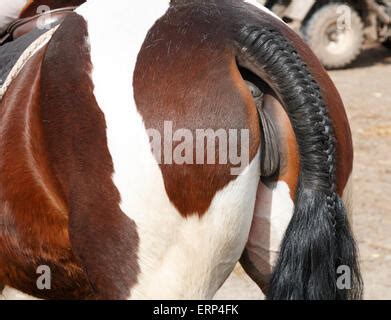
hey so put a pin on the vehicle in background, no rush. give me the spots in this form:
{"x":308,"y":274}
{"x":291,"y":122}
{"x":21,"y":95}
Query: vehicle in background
{"x":337,"y":30}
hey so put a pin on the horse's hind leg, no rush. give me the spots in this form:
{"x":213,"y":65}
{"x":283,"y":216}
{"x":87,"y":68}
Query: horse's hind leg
{"x":275,"y":200}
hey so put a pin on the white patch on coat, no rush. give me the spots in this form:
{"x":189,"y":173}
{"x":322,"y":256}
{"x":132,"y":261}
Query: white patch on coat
{"x":273,"y":213}
{"x":191,"y":258}
{"x":179,"y":258}
{"x":13,"y":294}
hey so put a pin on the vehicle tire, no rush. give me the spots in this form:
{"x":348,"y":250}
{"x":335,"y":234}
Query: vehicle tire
{"x":334,"y":48}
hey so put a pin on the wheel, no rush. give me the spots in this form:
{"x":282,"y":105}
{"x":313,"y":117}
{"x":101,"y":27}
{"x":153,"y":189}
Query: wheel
{"x":336,"y":47}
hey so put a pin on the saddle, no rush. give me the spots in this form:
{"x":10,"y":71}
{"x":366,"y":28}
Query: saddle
{"x":45,"y":20}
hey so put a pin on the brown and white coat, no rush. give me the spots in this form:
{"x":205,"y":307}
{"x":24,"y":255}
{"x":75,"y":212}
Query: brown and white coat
{"x":81,"y":190}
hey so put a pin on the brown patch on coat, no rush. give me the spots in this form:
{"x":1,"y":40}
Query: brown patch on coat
{"x":33,"y":211}
{"x":58,"y":204}
{"x":103,"y":238}
{"x":184,"y":75}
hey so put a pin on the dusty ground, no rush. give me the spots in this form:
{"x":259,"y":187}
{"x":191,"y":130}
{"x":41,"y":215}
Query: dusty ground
{"x":366,"y":91}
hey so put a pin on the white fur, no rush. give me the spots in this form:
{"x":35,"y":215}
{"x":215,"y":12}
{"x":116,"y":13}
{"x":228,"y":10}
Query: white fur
{"x":191,"y":258}
{"x":13,"y":294}
{"x":273,"y":212}
{"x":179,"y":258}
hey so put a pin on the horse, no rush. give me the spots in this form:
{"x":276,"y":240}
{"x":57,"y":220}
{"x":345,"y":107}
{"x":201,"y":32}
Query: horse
{"x":84,"y":192}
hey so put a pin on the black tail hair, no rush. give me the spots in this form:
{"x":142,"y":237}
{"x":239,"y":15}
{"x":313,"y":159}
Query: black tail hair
{"x":318,"y":239}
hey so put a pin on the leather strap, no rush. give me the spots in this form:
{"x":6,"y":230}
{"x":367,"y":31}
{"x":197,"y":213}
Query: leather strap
{"x":20,"y":27}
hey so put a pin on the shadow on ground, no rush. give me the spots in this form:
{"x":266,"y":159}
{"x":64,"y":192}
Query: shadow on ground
{"x":371,"y":56}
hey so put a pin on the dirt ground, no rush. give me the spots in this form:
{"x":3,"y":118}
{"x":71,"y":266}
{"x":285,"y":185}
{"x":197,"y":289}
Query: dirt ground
{"x":366,"y":91}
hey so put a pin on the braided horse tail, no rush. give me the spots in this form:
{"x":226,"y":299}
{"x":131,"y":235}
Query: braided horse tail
{"x":318,"y":239}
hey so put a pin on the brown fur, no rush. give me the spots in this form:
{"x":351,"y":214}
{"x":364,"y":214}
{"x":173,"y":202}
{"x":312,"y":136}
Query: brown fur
{"x":64,"y":212}
{"x":102,"y":237}
{"x":206,"y":91}
{"x":33,"y":213}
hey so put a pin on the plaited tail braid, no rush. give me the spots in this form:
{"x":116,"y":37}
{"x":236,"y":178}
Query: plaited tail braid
{"x":319,"y":239}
